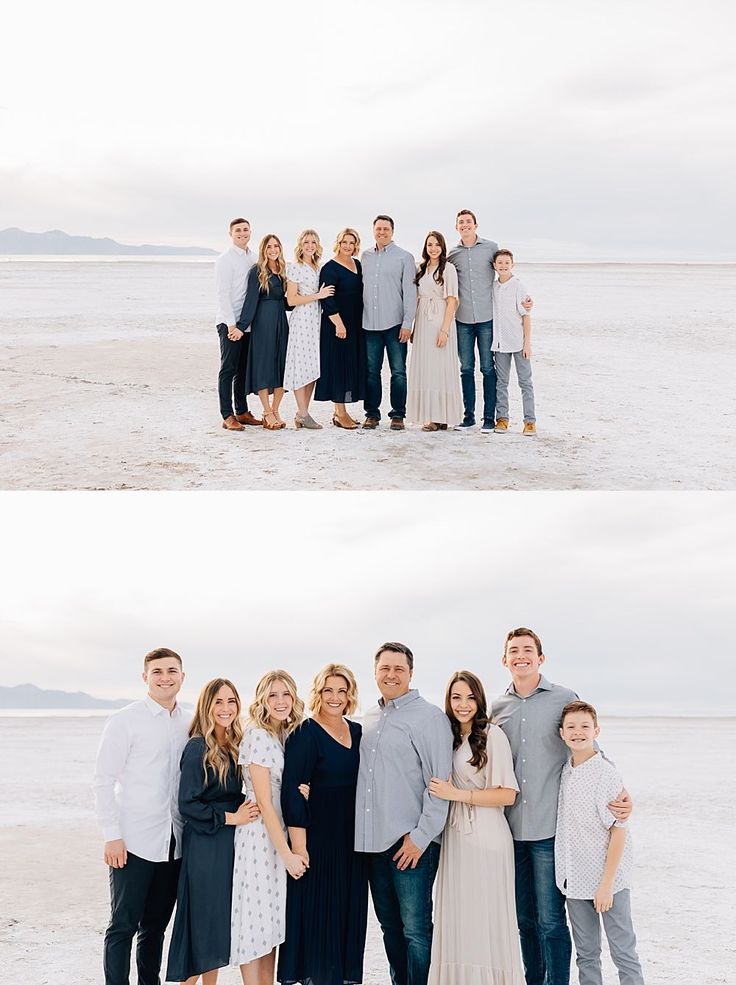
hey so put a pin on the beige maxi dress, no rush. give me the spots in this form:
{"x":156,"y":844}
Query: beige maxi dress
{"x":476,"y":937}
{"x":434,"y":373}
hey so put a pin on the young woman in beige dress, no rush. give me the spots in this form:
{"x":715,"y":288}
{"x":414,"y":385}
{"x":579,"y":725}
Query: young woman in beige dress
{"x":434,"y":395}
{"x":476,"y":937}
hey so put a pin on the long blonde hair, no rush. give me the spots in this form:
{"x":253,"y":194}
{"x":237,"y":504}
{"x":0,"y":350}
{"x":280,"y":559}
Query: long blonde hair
{"x":264,"y":271}
{"x":320,"y":680}
{"x":203,"y":724}
{"x":260,"y":714}
{"x":299,"y":248}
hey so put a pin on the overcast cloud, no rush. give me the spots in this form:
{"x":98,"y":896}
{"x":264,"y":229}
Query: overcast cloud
{"x":630,"y":593}
{"x":575,"y":130}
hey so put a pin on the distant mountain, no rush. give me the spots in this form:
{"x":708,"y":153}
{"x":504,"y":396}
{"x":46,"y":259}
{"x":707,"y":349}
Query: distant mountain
{"x":30,"y":696}
{"x":18,"y":241}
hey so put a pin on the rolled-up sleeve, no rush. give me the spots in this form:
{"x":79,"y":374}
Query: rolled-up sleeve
{"x":433,"y":744}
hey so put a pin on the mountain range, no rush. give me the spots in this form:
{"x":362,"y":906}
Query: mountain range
{"x":15,"y":242}
{"x":30,"y":696}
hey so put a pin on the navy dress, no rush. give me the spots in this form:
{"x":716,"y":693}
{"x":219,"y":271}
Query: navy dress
{"x":327,"y":909}
{"x":342,"y":361}
{"x":269,"y":327}
{"x":200,"y":940}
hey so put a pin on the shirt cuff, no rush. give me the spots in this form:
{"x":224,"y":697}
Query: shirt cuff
{"x":419,"y":839}
{"x":112,"y":832}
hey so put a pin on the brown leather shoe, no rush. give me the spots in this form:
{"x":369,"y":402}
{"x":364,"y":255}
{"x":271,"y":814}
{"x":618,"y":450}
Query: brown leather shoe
{"x":397,"y":424}
{"x":231,"y":424}
{"x":248,"y":418}
{"x":370,"y":423}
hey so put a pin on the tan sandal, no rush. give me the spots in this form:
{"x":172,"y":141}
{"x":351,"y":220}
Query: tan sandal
{"x":271,"y":427}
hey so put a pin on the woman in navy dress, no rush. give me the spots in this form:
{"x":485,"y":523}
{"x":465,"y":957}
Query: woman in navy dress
{"x":327,"y":909}
{"x":342,"y":339}
{"x":211,"y":805}
{"x":264,"y":312}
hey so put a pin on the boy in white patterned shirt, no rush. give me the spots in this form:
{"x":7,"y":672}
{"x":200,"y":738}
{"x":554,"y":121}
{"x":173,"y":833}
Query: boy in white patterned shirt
{"x":512,"y":330}
{"x":593,"y":853}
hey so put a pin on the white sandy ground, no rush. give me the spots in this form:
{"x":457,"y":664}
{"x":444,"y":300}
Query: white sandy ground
{"x":53,"y":890}
{"x":111,"y":385}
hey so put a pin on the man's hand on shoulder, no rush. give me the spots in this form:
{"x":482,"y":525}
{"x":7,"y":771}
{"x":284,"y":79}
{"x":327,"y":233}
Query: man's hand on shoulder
{"x":407,"y":855}
{"x":622,"y":807}
{"x":116,"y":854}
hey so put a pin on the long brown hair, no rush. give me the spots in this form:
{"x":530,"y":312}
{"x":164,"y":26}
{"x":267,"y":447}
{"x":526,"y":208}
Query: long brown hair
{"x":439,"y":274}
{"x":203,"y":724}
{"x":478,"y":735}
{"x":264,"y":271}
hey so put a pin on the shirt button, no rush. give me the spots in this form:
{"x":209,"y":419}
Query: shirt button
{"x":523,"y":781}
{"x":523,"y":719}
{"x":373,"y":750}
{"x":523,"y":740}
{"x":524,"y":801}
{"x":368,"y":810}
{"x":369,"y":789}
{"x":523,"y":760}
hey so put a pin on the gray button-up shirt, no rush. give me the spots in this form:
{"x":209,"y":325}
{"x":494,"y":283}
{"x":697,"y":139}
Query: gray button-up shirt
{"x":389,"y":292}
{"x":532,"y":726}
{"x":405,"y":743}
{"x":475,"y":273}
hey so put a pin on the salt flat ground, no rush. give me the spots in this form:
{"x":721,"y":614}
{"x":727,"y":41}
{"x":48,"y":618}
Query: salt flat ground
{"x":108,"y":373}
{"x":53,"y":885}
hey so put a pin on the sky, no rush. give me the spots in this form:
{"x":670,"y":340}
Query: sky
{"x":631,"y":594}
{"x":575,"y":131}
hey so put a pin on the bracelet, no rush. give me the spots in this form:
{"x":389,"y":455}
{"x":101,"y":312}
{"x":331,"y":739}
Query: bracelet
{"x":471,"y":798}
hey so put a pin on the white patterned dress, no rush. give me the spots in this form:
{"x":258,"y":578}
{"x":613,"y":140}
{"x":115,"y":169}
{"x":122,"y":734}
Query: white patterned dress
{"x":302,"y":355}
{"x":258,"y":921}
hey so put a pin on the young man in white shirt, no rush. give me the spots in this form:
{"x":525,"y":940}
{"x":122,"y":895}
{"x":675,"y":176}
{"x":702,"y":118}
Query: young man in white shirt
{"x":136,"y":787}
{"x":231,"y":273}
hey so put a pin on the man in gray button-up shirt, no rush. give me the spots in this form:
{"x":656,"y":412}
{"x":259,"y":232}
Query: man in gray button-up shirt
{"x":406,"y":741}
{"x":473,"y":260}
{"x":389,"y":304}
{"x":529,"y":714}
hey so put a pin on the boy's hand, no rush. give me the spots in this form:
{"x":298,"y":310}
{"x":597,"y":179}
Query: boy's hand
{"x":622,"y":807}
{"x":603,"y":899}
{"x":527,"y":351}
{"x":527,"y":304}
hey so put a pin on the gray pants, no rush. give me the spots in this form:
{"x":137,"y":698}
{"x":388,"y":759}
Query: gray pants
{"x":586,"y":932}
{"x":524,"y":376}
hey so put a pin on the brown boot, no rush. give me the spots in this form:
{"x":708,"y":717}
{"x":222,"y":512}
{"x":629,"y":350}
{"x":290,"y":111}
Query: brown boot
{"x":248,"y":418}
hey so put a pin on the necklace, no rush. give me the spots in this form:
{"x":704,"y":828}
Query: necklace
{"x":343,"y":738}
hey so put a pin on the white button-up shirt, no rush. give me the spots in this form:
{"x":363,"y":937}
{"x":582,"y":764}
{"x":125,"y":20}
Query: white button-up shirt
{"x":508,"y":331}
{"x":231,"y":273}
{"x":584,"y":824}
{"x":136,"y":782}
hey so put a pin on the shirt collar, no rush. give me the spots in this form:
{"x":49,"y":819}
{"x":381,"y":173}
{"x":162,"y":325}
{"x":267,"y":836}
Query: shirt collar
{"x":384,"y":249}
{"x":544,"y":685}
{"x":155,"y":708}
{"x":399,"y":702}
{"x":246,"y":252}
{"x":478,"y":241}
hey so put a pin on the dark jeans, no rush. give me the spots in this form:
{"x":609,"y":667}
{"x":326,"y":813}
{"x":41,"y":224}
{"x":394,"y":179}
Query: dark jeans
{"x":375,"y":344}
{"x":231,"y":379}
{"x":142,"y":897}
{"x":540,"y":910}
{"x":467,"y":336}
{"x":403,"y":905}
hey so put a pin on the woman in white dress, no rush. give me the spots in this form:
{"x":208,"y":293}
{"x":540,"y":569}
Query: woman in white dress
{"x":303,"y":294}
{"x":263,"y":856}
{"x":476,"y":936}
{"x":434,"y":395}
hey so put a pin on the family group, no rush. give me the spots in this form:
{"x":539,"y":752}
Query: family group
{"x":267,"y":835}
{"x":348,"y":314}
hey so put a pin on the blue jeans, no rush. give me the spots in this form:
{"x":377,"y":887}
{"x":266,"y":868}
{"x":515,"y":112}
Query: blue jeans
{"x":540,"y":910}
{"x":403,"y":905}
{"x":375,"y":344}
{"x":467,"y":336}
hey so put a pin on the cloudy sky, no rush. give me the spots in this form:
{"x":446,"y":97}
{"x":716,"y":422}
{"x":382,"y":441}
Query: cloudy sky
{"x":632,"y":594}
{"x":577,"y":130}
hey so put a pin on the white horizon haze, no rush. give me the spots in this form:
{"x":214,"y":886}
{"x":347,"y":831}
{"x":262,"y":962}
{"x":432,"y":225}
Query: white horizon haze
{"x":630,"y":593}
{"x":573,"y":133}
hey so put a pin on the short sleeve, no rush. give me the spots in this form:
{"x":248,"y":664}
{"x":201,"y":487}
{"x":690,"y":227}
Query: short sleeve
{"x":609,"y":787}
{"x":521,"y":293}
{"x":292,"y":272}
{"x":258,"y":748}
{"x":450,"y":278}
{"x":500,"y":765}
